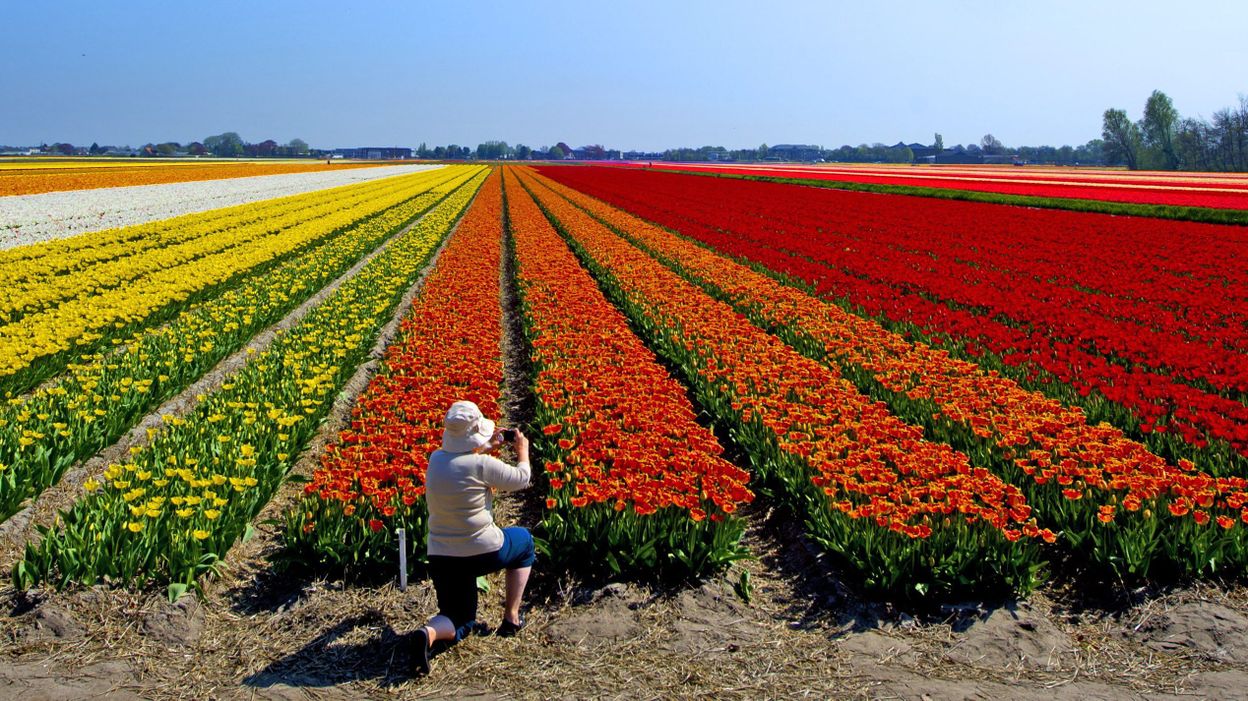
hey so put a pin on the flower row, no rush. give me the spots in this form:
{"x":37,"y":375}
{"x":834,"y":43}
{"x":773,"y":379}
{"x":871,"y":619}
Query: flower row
{"x":52,"y":216}
{"x":88,"y":175}
{"x":1103,"y":489}
{"x":635,"y":483}
{"x":845,"y":245}
{"x":171,"y":512}
{"x":913,"y":516}
{"x":371,"y":481}
{"x":103,"y":395}
{"x":1189,"y":190}
{"x":168,"y":278}
{"x":32,"y":268}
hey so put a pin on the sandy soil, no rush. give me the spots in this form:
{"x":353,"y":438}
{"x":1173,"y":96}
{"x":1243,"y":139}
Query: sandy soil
{"x":803,"y":634}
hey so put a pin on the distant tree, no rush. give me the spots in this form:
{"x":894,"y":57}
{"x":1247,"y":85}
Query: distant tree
{"x":991,"y":145}
{"x":196,"y":149}
{"x":423,"y":151}
{"x":523,"y":152}
{"x":1229,"y":131}
{"x":763,"y":150}
{"x":1192,"y":142}
{"x":1158,"y":128}
{"x":264,"y":149}
{"x":168,"y":148}
{"x":557,"y":153}
{"x":227,"y":145}
{"x":1091,"y":152}
{"x":493,"y":150}
{"x":567,"y":150}
{"x":439,"y":152}
{"x":298,"y":146}
{"x":594,"y":152}
{"x":939,"y":143}
{"x":95,"y":149}
{"x":1122,"y":139}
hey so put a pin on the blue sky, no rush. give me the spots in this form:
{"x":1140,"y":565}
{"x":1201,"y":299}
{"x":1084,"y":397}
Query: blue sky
{"x":644,"y":75}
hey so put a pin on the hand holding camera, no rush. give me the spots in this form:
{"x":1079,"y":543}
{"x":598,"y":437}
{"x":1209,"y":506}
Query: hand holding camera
{"x":517,"y":439}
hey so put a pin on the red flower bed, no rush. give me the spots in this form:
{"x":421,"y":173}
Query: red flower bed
{"x":1227,"y":193}
{"x":1148,"y":313}
{"x":1077,"y":475}
{"x":901,"y":508}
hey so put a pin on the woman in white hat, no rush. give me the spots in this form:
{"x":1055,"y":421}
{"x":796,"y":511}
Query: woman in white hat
{"x":464,"y":543}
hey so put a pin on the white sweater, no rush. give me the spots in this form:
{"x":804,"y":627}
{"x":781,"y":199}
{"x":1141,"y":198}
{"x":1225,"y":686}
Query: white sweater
{"x":457,"y":491}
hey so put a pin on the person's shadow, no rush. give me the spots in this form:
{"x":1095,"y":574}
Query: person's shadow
{"x":326,"y":662}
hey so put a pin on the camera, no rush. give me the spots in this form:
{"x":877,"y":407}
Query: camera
{"x":509,"y":435}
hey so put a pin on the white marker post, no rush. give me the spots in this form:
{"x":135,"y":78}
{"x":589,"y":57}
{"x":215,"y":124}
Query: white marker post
{"x":402,"y":559}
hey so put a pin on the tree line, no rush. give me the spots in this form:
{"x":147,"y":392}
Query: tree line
{"x":1164,"y":140}
{"x":501,"y":150}
{"x":226,"y":145}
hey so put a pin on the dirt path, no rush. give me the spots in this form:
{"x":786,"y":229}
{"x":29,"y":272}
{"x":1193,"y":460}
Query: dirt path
{"x":803,"y":634}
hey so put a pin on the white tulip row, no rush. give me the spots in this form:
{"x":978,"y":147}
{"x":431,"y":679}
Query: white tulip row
{"x":26,"y":219}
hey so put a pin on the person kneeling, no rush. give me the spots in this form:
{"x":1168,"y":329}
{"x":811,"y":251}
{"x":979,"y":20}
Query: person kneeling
{"x":464,"y":542}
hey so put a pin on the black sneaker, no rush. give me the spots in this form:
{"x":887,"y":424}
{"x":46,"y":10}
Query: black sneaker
{"x":507,"y":629}
{"x":420,"y":653}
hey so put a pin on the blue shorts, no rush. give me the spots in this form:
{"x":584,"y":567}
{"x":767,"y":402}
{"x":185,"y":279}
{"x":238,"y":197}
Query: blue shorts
{"x":455,"y":578}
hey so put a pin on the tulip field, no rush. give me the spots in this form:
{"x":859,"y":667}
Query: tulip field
{"x":950,"y":397}
{"x":1201,"y":190}
{"x":28,"y":178}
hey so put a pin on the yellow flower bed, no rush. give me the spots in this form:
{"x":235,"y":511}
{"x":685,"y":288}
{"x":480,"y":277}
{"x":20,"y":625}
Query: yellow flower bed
{"x":144,"y":522}
{"x":100,"y":397}
{"x":166,"y":277}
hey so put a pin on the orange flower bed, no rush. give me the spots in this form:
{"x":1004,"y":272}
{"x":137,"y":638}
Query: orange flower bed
{"x":1084,"y":474}
{"x":868,"y":465}
{"x":32,"y":181}
{"x":371,"y":481}
{"x":626,"y":461}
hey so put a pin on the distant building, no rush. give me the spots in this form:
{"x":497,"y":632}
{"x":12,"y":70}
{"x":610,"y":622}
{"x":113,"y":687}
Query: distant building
{"x":958,"y":155}
{"x":920,"y":151}
{"x":793,"y":152}
{"x":374,"y":153}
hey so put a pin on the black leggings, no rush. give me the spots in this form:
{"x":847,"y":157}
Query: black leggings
{"x":455,"y":578}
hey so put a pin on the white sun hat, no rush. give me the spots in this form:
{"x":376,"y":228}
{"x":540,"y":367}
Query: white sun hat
{"x":465,"y":429}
